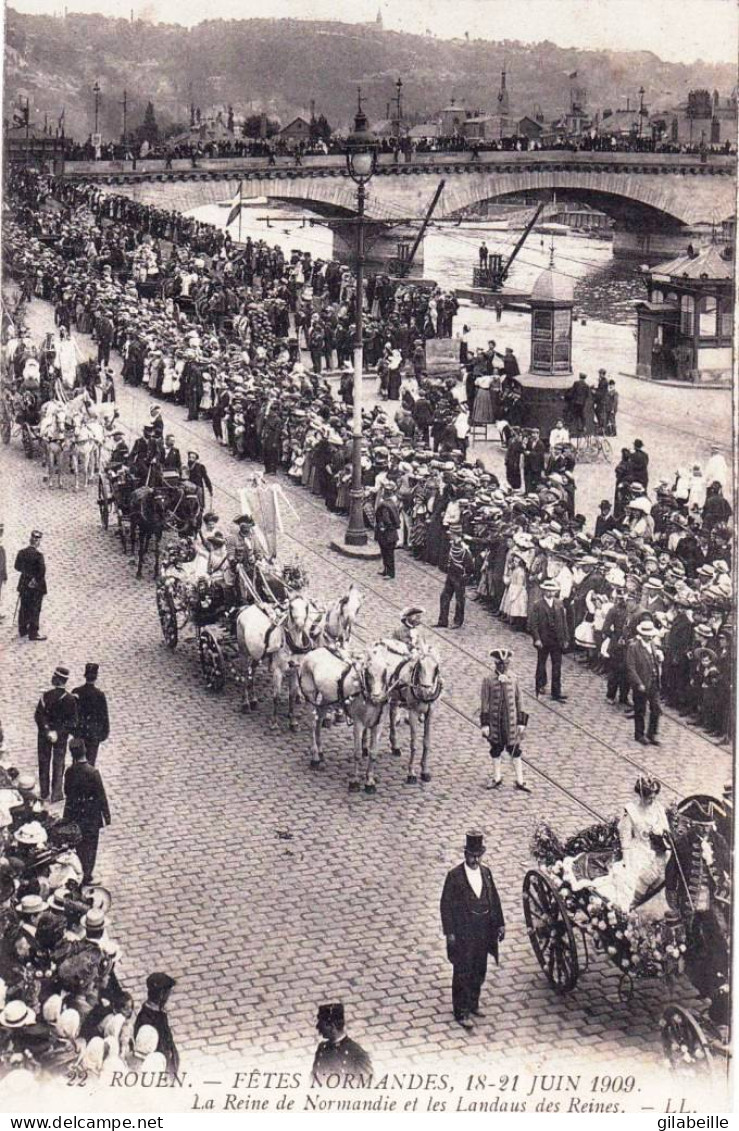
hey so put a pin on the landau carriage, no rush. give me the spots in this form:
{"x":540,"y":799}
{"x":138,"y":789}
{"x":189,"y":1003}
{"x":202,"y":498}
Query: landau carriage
{"x":567,"y":919}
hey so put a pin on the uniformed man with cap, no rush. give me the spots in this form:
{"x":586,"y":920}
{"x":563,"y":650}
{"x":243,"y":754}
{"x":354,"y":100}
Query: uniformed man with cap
{"x":337,"y":1054}
{"x":56,"y":719}
{"x":158,"y":989}
{"x":502,"y":717}
{"x":472,"y":920}
{"x":407,"y":632}
{"x":31,"y":566}
{"x":459,"y":569}
{"x":93,"y":722}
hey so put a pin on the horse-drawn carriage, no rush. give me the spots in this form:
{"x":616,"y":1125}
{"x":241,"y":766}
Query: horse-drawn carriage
{"x":19,"y":416}
{"x":163,"y":503}
{"x":678,"y":926}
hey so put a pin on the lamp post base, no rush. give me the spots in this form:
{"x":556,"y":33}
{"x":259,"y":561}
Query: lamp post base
{"x":369,"y":551}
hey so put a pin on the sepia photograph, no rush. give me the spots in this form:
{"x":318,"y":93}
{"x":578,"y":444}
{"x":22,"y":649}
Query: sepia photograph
{"x":367,"y":567}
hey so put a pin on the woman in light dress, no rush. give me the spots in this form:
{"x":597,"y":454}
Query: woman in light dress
{"x":644,"y":833}
{"x":515,"y":603}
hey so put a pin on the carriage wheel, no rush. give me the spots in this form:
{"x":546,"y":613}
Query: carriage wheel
{"x":211,"y":661}
{"x":6,"y":428}
{"x":104,"y":506}
{"x":167,"y":615}
{"x":607,"y":449}
{"x":550,"y":934}
{"x":684,"y":1043}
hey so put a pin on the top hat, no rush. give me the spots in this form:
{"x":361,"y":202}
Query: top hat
{"x":91,"y":671}
{"x":331,"y":1014}
{"x":475,"y":842}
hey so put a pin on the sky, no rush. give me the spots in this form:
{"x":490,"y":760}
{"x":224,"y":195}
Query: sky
{"x":676,"y":30}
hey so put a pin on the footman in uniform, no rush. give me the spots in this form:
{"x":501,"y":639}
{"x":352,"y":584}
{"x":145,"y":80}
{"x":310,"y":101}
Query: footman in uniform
{"x":337,"y":1054}
{"x":472,"y":920}
{"x":502,"y":719}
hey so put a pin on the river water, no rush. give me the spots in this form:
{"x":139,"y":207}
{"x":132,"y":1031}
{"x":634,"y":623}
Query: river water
{"x":604,"y":288}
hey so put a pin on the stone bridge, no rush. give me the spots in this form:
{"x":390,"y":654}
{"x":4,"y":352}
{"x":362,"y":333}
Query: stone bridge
{"x":647,"y":190}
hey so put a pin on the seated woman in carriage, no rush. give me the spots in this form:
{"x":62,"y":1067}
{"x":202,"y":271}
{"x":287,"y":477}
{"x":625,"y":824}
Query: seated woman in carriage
{"x":644,"y":838}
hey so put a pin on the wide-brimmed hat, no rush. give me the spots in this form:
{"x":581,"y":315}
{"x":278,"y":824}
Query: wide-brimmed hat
{"x":646,"y":629}
{"x":551,"y":585}
{"x":32,"y":835}
{"x":16,"y":1015}
{"x":411,"y":611}
{"x":31,"y":905}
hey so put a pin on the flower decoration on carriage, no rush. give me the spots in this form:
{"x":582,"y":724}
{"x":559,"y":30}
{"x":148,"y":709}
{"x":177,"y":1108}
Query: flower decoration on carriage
{"x":294,"y":575}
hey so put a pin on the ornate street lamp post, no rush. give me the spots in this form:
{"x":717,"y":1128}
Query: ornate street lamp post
{"x":361,"y":161}
{"x":96,"y":92}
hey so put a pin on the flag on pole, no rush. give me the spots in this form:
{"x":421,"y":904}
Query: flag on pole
{"x":236,"y":205}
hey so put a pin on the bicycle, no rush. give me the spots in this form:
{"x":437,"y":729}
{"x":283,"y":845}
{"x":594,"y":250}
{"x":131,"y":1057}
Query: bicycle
{"x":590,"y":447}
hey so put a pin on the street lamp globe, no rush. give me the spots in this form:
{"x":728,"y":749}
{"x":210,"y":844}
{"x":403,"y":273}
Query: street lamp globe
{"x":361,"y":149}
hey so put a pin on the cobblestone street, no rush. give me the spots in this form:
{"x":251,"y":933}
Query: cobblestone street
{"x":265,"y":888}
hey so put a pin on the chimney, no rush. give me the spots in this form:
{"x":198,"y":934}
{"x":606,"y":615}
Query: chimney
{"x":312,"y":109}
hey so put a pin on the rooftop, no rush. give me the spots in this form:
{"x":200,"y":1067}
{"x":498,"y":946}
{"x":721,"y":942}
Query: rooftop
{"x":707,"y":263}
{"x":552,"y":287}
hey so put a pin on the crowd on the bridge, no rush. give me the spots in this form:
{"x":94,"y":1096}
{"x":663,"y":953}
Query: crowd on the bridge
{"x":657,"y":566}
{"x":403,"y":149}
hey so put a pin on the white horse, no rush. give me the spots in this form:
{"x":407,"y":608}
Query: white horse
{"x":56,"y":439}
{"x":360,"y":687}
{"x":416,"y":684}
{"x":277,"y":638}
{"x":334,"y":626}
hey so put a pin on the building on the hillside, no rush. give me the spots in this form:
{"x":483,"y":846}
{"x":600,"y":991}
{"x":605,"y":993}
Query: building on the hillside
{"x":684,"y":328}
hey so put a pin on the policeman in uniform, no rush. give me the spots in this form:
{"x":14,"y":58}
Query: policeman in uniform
{"x":337,"y":1054}
{"x":56,"y":719}
{"x":29,"y":562}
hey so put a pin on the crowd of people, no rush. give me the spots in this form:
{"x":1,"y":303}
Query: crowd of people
{"x":662,"y":556}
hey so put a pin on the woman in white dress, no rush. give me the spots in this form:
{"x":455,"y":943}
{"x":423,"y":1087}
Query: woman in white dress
{"x":644,"y":834}
{"x":67,"y":357}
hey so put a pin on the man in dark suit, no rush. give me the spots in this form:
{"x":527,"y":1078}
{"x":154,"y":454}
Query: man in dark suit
{"x":639,"y":465}
{"x":56,"y":719}
{"x":29,"y":562}
{"x":337,"y":1054}
{"x":387,"y":525}
{"x":642,"y":666}
{"x":86,"y":805}
{"x":472,"y":920}
{"x":550,"y":636}
{"x":172,"y":459}
{"x":93,"y":723}
{"x":197,"y":473}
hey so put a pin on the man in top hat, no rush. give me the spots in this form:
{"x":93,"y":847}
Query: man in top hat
{"x":159,"y":986}
{"x":337,"y":1054}
{"x":407,"y":632}
{"x":86,"y":805}
{"x":502,"y":718}
{"x":551,"y":638}
{"x":472,"y":920}
{"x":30,"y":564}
{"x":56,"y":719}
{"x":93,"y":722}
{"x":642,"y":666}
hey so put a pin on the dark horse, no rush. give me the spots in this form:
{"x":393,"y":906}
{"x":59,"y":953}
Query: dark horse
{"x":146,"y":520}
